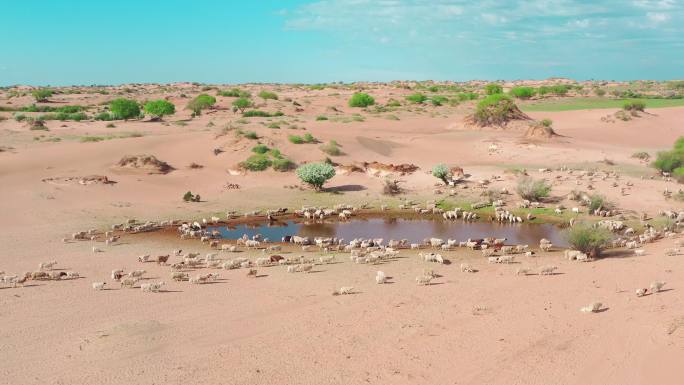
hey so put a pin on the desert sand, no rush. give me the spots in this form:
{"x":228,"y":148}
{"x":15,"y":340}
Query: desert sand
{"x":490,"y":327}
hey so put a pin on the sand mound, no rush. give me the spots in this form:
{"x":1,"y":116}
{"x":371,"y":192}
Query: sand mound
{"x":82,"y":180}
{"x":540,"y":131}
{"x":496,"y":113}
{"x":146,"y":163}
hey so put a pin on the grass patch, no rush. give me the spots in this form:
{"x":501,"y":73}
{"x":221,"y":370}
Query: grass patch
{"x":573,"y":104}
{"x":331,"y":148}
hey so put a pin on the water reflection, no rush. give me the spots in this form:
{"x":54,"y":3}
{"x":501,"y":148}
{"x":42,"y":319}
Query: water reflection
{"x":415,"y":230}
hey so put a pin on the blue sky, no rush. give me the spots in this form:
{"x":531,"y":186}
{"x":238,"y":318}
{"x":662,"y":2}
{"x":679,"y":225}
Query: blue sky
{"x":62,"y":42}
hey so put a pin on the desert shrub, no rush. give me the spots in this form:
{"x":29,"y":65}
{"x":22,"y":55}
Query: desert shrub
{"x":235,"y":93}
{"x":678,"y":174}
{"x":597,"y":201}
{"x":493,"y":89}
{"x":110,"y":125}
{"x":268,"y":95}
{"x":634,"y":105}
{"x":308,"y":138}
{"x":393,"y":103}
{"x":276,"y":153}
{"x":547,"y":123}
{"x":159,"y":108}
{"x":261,"y":114}
{"x":495,"y":109}
{"x":641,"y":155}
{"x":321,"y":117}
{"x":441,"y":171}
{"x":251,"y":135}
{"x":417,"y":98}
{"x":38,"y":125}
{"x":533,"y":190}
{"x":91,"y":139}
{"x":600,"y":92}
{"x":587,"y":239}
{"x":190,"y":197}
{"x":331,"y":148}
{"x":42,"y":94}
{"x":556,"y":89}
{"x":282,"y":164}
{"x":104,"y":116}
{"x":315,"y":174}
{"x":464,"y":96}
{"x":522,"y":92}
{"x":668,"y":161}
{"x":273,"y":125}
{"x":260,"y":149}
{"x":296,"y":139}
{"x":391,"y":187}
{"x":241,"y":104}
{"x":438,"y":100}
{"x":256,"y":162}
{"x":200,"y":102}
{"x":361,"y":99}
{"x":123,"y":108}
{"x":19,"y":117}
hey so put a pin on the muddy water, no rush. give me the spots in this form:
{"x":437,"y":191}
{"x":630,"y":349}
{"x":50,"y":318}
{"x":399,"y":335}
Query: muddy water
{"x":415,"y":230}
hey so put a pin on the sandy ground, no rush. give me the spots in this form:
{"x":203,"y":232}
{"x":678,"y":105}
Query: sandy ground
{"x":490,"y":327}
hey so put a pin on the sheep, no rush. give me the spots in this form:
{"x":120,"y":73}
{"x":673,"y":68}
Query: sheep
{"x":327,"y":259}
{"x":96,"y":250}
{"x":179,"y":276}
{"x":545,"y":246}
{"x":152,"y":287}
{"x":656,"y":286}
{"x":305,"y":268}
{"x":136,"y":273}
{"x":263,"y":261}
{"x":522,"y":271}
{"x":424,"y":280}
{"x":380,"y":277}
{"x":197,"y":280}
{"x":430,"y":273}
{"x":506,"y":259}
{"x":292,"y":269}
{"x":466,"y":268}
{"x":252,"y":273}
{"x":493,"y":260}
{"x":72,"y":275}
{"x":144,"y":258}
{"x":117,"y":274}
{"x":641,"y":292}
{"x":488,"y":252}
{"x":593,"y":307}
{"x":99,"y":285}
{"x":547,"y":270}
{"x":128,"y":282}
{"x":47,"y":265}
{"x":639,"y":252}
{"x":344,"y":290}
{"x":163,"y":259}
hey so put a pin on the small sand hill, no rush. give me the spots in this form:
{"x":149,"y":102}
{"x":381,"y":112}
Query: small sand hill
{"x":540,"y":131}
{"x":148,"y":164}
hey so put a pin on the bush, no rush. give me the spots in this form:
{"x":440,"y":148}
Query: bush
{"x":467,"y":96}
{"x":308,"y":138}
{"x":495,"y":109}
{"x":600,"y":92}
{"x":321,"y":117}
{"x":241,"y":104}
{"x":268,"y":95}
{"x":282,"y":164}
{"x":315,"y":174}
{"x":391,"y":187}
{"x":597,"y":201}
{"x":201,"y":102}
{"x":588,"y":240}
{"x":42,"y":94}
{"x":441,"y":171}
{"x":493,"y":89}
{"x":393,"y":103}
{"x":438,"y":100}
{"x":522,"y":92}
{"x":261,"y":114}
{"x":260,"y":149}
{"x":417,"y":98}
{"x":124,"y":108}
{"x":634,"y":106}
{"x":296,"y":139}
{"x":668,"y":161}
{"x":159,"y":108}
{"x":331,"y":148}
{"x":547,"y":123}
{"x":556,"y":89}
{"x":361,"y":99}
{"x":190,"y":197}
{"x":256,"y":162}
{"x":533,"y":190}
{"x":104,"y":116}
{"x":235,"y":92}
{"x":110,"y":125}
{"x":641,"y":155}
{"x":251,"y":135}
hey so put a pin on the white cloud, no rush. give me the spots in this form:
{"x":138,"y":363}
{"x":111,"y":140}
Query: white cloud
{"x":658,"y":17}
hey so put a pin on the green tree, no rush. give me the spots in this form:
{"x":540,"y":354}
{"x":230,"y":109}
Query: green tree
{"x":315,"y":174}
{"x":123,"y":108}
{"x":493,"y":89}
{"x":42,"y":94}
{"x":241,"y":104}
{"x":201,"y":102}
{"x":441,"y":171}
{"x":159,"y":108}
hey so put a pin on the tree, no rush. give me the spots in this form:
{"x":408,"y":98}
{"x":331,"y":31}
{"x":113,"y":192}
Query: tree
{"x":42,"y":94}
{"x":587,"y":239}
{"x":315,"y":174}
{"x":241,"y":104}
{"x":201,"y":102}
{"x":493,"y":89}
{"x":159,"y":108}
{"x":123,"y":108}
{"x":441,"y":171}
{"x":361,"y":99}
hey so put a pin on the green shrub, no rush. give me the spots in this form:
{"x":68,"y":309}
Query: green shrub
{"x":641,"y":155}
{"x":261,"y":114}
{"x":634,"y":105}
{"x":251,"y":135}
{"x":600,"y":92}
{"x":668,"y":161}
{"x":331,"y":148}
{"x":597,"y":201}
{"x":201,"y":102}
{"x":464,"y":96}
{"x":256,"y":162}
{"x":556,"y":89}
{"x":241,"y":104}
{"x":268,"y":95}
{"x":587,"y":239}
{"x":123,"y":108}
{"x":315,"y":174}
{"x":417,"y":98}
{"x":308,"y":138}
{"x":533,"y":190}
{"x":104,"y":116}
{"x":159,"y":108}
{"x":260,"y":149}
{"x":522,"y":92}
{"x":282,"y":164}
{"x":110,"y":125}
{"x":494,"y":109}
{"x":276,"y":153}
{"x":91,"y":139}
{"x":547,"y":123}
{"x":296,"y":139}
{"x":361,"y":99}
{"x":321,"y":117}
{"x":235,"y":93}
{"x":493,"y":89}
{"x":438,"y":100}
{"x":19,"y":117}
{"x":393,"y":103}
{"x":42,"y":94}
{"x":441,"y":171}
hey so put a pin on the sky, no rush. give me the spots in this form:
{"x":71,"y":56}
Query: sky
{"x":83,"y":42}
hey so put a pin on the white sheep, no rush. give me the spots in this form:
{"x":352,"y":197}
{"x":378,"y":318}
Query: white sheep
{"x":424,"y":280}
{"x":292,"y":269}
{"x":179,"y":276}
{"x":506,"y":259}
{"x":656,"y":286}
{"x":136,"y":273}
{"x":344,"y":290}
{"x":641,"y":292}
{"x":593,"y":307}
{"x":99,"y":285}
{"x":493,"y":260}
{"x":305,"y":268}
{"x":327,"y":259}
{"x":72,"y":275}
{"x":47,"y":265}
{"x":129,"y":282}
{"x":547,"y":270}
{"x":466,"y":268}
{"x":152,"y":287}
{"x":522,"y":271}
{"x":380,"y":277}
{"x":639,"y":252}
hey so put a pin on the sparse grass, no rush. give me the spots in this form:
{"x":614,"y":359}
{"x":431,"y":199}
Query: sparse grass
{"x":251,"y":135}
{"x":572,"y":104}
{"x":321,"y":117}
{"x":110,"y":125}
{"x":642,"y":155}
{"x":123,"y":135}
{"x":331,"y":148}
{"x":261,"y":114}
{"x":391,"y":117}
